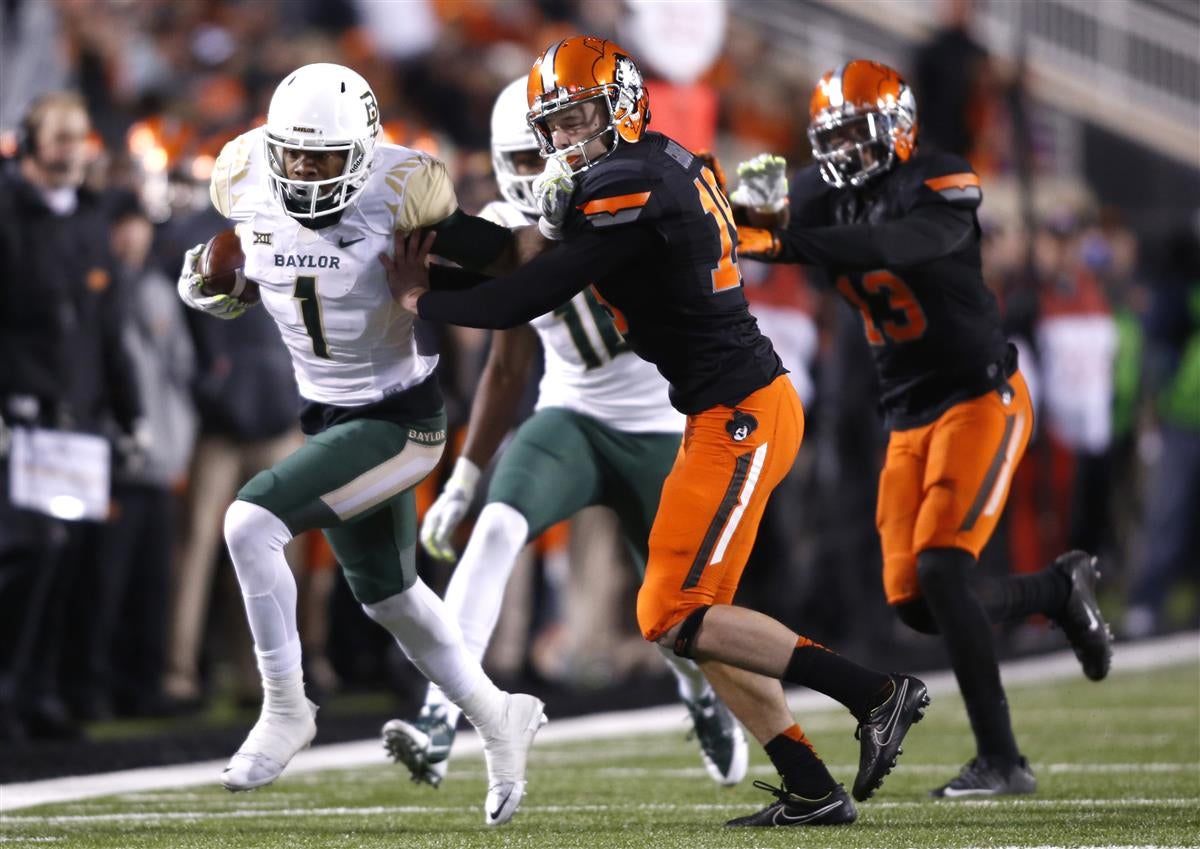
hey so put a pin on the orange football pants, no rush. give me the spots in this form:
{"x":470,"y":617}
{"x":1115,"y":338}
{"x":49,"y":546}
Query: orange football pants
{"x":944,"y":484}
{"x":712,"y":502}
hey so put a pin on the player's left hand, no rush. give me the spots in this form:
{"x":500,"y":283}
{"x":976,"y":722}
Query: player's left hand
{"x":763,"y":184}
{"x":408,"y":269}
{"x":553,"y":189}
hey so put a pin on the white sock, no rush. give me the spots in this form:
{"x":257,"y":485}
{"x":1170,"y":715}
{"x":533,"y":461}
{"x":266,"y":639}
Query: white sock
{"x":430,"y":638}
{"x":476,"y":588}
{"x":256,"y":538}
{"x":688,"y":678}
{"x":284,"y":694}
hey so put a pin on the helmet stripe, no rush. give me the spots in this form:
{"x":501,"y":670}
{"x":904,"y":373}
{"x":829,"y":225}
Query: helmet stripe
{"x":549,"y":78}
{"x":834,"y":91}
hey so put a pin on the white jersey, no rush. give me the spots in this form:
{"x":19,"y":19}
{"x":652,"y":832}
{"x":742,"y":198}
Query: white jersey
{"x":589,"y":368}
{"x":350,"y":343}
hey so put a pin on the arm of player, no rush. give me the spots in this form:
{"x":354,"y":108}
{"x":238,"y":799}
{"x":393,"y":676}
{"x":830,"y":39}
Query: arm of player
{"x":927,"y":233}
{"x":546,"y":282}
{"x":430,"y":203}
{"x":492,"y":415}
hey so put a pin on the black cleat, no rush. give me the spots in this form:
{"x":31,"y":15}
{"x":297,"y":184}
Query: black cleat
{"x":981,"y":778}
{"x":882,"y":732}
{"x":1080,"y":619}
{"x":834,"y":808}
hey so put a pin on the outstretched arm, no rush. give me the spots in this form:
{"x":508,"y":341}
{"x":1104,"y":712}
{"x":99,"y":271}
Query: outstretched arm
{"x":546,"y":282}
{"x":928,"y":232}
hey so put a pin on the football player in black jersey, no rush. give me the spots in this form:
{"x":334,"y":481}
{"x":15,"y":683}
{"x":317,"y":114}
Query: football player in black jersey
{"x":647,"y":224}
{"x":895,"y":228}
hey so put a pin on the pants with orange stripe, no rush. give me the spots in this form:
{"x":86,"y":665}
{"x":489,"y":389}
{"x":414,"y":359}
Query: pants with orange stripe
{"x":944,"y":484}
{"x":712,"y":502}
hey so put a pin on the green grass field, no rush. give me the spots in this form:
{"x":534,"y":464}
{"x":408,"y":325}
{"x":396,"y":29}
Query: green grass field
{"x":1118,"y":764}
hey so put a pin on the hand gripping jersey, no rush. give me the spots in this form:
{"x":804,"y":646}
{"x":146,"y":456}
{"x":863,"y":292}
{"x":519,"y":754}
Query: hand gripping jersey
{"x":681,"y":306}
{"x":326,"y":290}
{"x":905,"y":253}
{"x":588,"y":366}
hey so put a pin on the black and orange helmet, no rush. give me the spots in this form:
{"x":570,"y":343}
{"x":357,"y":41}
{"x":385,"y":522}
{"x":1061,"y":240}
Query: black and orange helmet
{"x":863,"y":118}
{"x":580,"y":69}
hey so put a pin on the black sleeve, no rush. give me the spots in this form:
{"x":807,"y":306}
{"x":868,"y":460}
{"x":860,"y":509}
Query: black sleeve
{"x":470,"y":241}
{"x":928,"y":232}
{"x":546,"y":282}
{"x":449,"y":278}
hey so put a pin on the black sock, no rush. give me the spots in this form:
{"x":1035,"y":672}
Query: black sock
{"x":858,"y":688}
{"x":967,"y":634}
{"x":1015,"y":597}
{"x":803,"y":772}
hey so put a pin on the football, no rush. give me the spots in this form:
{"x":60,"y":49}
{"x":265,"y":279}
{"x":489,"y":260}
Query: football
{"x":221,"y":267}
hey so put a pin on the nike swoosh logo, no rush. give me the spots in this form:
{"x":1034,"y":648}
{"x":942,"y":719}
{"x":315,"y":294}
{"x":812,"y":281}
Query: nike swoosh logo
{"x":345,"y":243}
{"x":499,"y":808}
{"x":884,"y":736}
{"x":951,"y":792}
{"x":1093,"y":623}
{"x":782,"y":817}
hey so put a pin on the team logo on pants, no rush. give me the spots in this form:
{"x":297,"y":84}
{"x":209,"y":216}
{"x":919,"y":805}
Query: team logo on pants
{"x":741,"y":425}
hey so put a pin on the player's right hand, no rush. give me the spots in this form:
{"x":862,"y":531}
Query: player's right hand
{"x":553,"y":189}
{"x":763,"y":184}
{"x":188,"y":286}
{"x":448,"y":511}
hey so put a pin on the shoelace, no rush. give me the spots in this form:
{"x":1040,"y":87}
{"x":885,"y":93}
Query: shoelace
{"x":778,"y":792}
{"x":969,"y":773}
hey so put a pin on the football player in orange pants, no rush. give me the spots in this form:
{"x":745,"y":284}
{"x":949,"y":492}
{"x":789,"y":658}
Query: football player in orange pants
{"x":644,"y":220}
{"x":895,"y":228}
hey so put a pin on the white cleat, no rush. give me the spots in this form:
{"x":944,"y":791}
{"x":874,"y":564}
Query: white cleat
{"x":506,"y":747}
{"x":272,"y":743}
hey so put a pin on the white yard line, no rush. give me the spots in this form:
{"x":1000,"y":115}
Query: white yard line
{"x":1150,"y":654}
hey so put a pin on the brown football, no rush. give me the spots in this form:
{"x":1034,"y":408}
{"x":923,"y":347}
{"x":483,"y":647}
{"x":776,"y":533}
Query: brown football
{"x":221,"y":267}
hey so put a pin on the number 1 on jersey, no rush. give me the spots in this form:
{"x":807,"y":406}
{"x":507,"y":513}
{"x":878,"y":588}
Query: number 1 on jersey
{"x":712,"y":199}
{"x":310,"y":309}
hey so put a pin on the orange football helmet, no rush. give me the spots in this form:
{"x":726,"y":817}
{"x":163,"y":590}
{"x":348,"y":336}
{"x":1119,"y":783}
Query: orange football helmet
{"x":863,"y":117}
{"x":579,"y":69}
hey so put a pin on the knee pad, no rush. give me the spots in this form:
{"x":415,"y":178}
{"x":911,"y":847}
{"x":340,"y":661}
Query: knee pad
{"x":915,"y":614}
{"x":685,"y":640}
{"x":256,"y":538}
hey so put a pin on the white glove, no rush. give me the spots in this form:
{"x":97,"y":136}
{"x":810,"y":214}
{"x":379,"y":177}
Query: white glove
{"x":763,"y":184}
{"x":446,"y":513}
{"x":553,"y":189}
{"x":188,"y":286}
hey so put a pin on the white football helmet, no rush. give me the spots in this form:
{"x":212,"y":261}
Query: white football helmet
{"x":324,"y":108}
{"x":511,"y":134}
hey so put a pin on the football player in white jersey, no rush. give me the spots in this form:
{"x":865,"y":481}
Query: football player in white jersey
{"x":603,"y":432}
{"x":316,"y":201}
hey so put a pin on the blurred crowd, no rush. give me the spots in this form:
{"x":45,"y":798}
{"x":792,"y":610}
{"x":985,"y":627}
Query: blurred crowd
{"x":136,"y":613}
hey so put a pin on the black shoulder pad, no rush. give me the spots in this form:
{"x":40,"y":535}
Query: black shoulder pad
{"x":623,"y":191}
{"x":937,"y":177}
{"x":808,"y":198}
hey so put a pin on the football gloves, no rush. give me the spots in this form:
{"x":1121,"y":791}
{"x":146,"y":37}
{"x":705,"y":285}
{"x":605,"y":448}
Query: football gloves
{"x":552,"y":191}
{"x":763,"y":184}
{"x":188,"y":286}
{"x":448,"y":511}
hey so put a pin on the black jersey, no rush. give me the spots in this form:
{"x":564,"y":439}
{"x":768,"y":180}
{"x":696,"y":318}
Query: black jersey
{"x":652,"y":232}
{"x":905,"y":252}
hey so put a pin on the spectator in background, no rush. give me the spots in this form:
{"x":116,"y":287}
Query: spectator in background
{"x":119,"y":605}
{"x":1173,"y":500}
{"x":949,"y":72}
{"x":64,"y":368}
